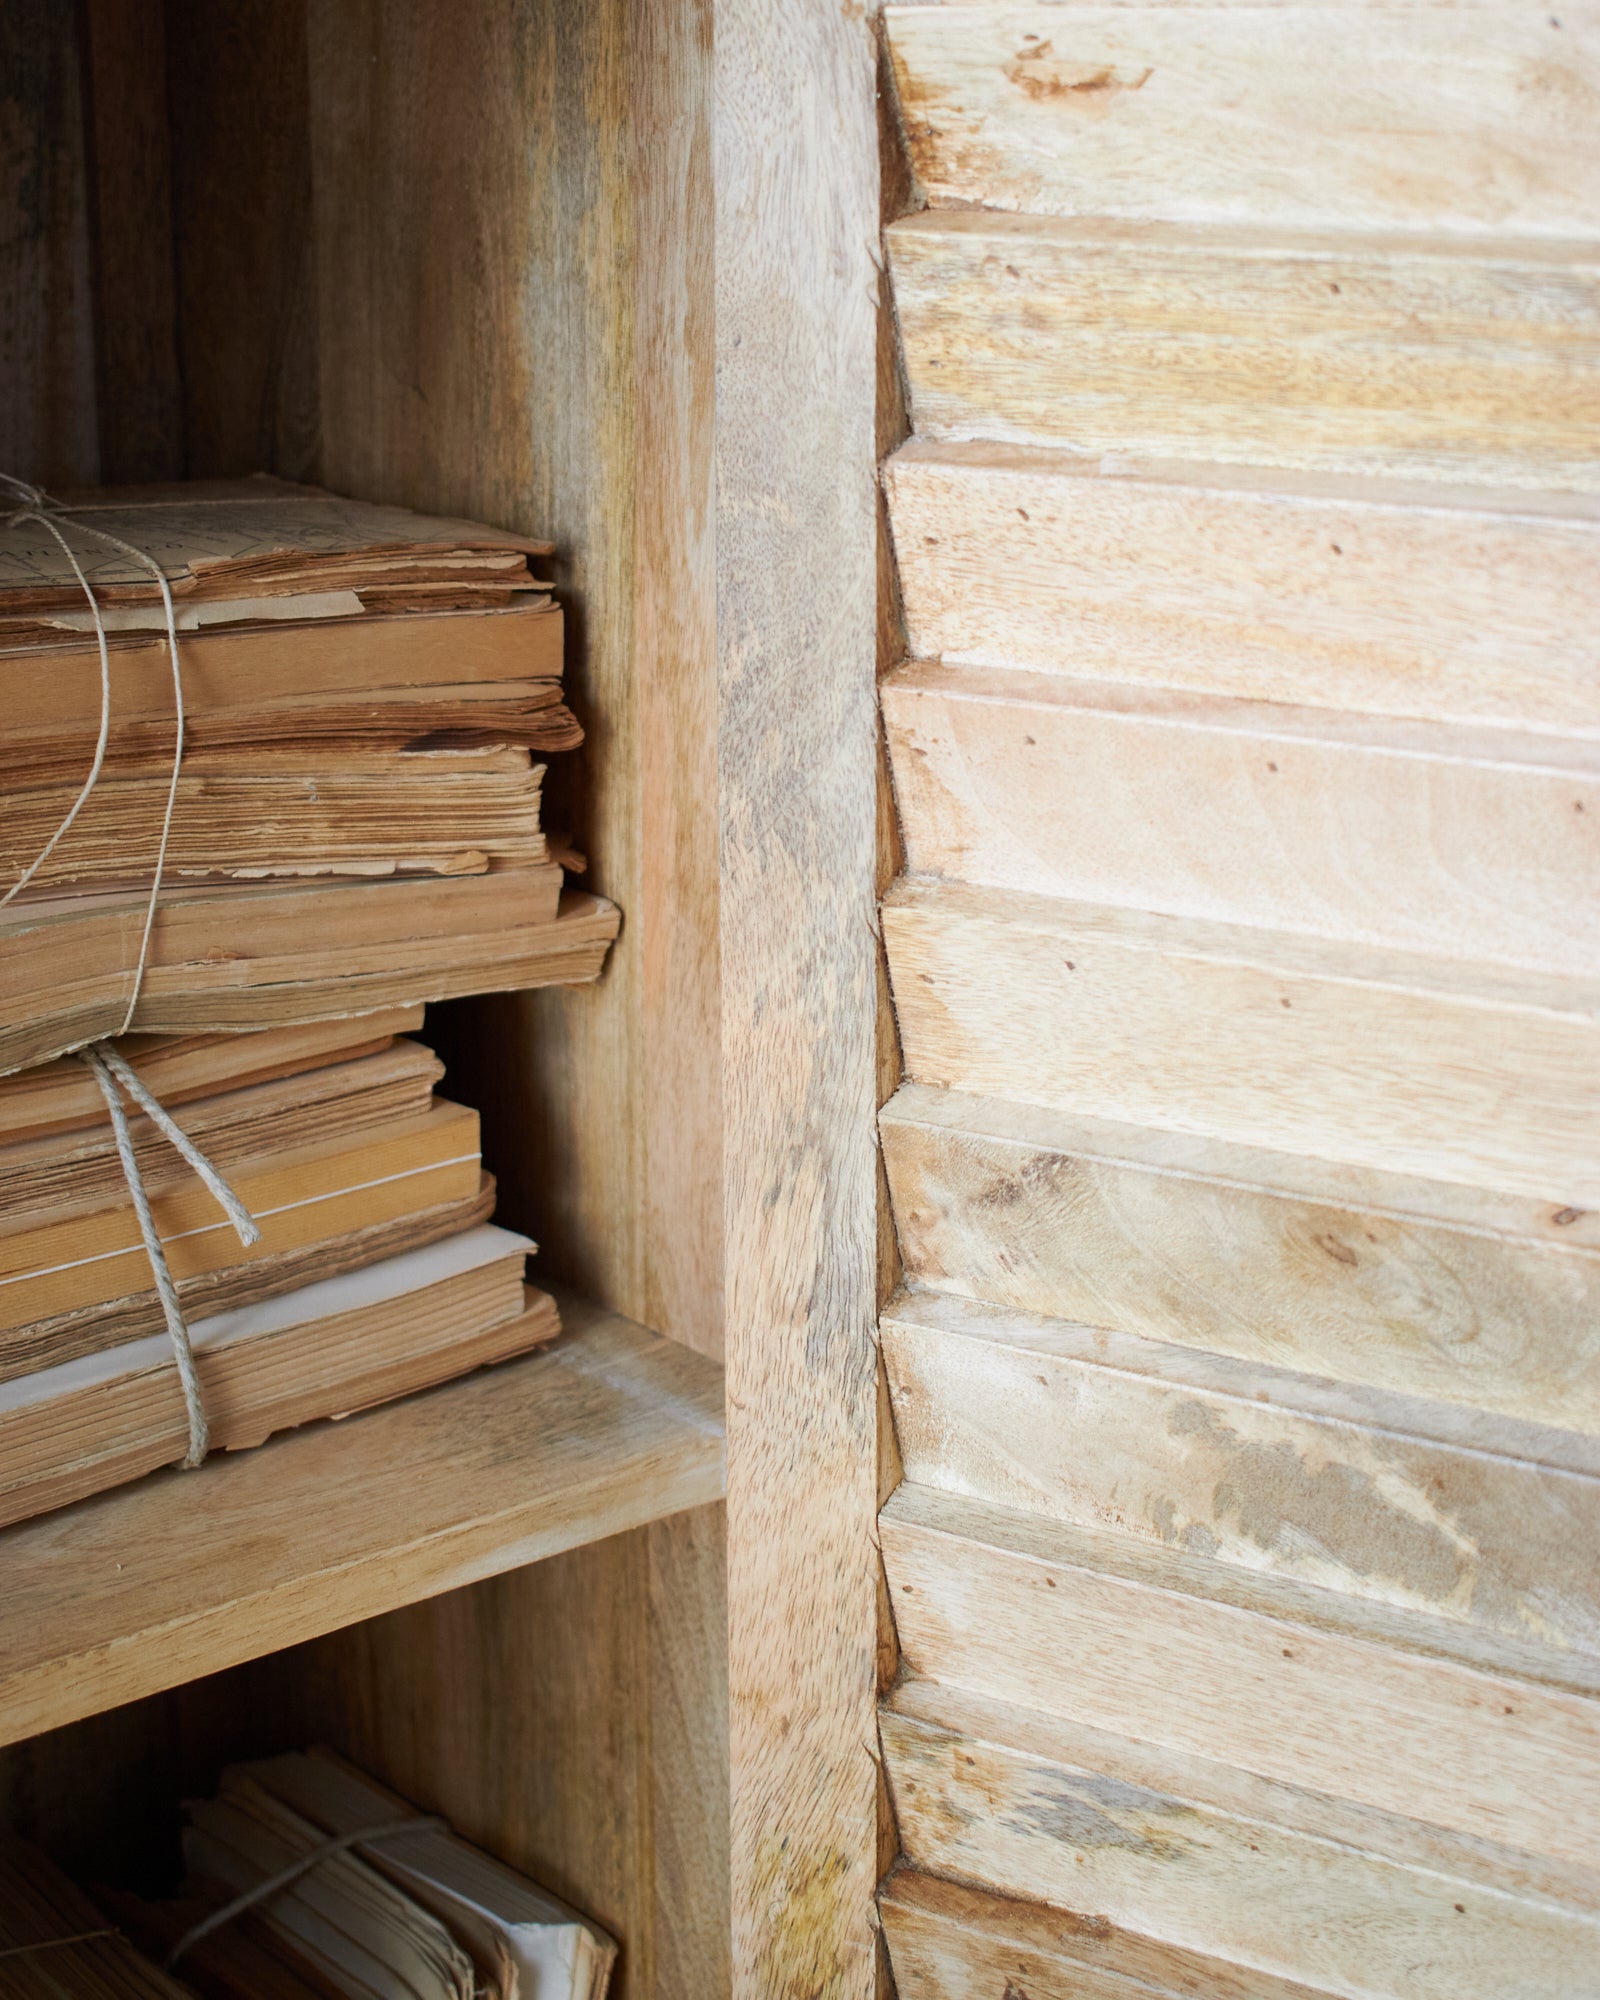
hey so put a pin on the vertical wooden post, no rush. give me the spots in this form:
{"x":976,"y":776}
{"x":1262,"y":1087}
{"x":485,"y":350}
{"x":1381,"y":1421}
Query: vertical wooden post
{"x":796,"y":235}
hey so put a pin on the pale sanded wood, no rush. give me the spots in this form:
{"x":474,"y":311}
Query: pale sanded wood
{"x":336,"y":1523}
{"x":1094,"y":1629}
{"x":797,"y":223}
{"x":1389,"y":599}
{"x":1422,"y":1066}
{"x":1426,"y":358}
{"x":1381,"y":116}
{"x":1037,"y":1822}
{"x":1477,"y":843}
{"x":1254,"y":1467}
{"x":1487,"y":1301}
{"x":949,"y":1941}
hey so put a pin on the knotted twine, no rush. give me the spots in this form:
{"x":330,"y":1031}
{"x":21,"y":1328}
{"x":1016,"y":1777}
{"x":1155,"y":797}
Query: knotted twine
{"x":107,"y":1066}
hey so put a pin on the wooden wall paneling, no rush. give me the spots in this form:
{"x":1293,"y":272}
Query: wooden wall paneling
{"x":48,"y":416}
{"x":1430,"y":358}
{"x":1439,"y":118}
{"x":1034,"y":1822}
{"x":1412,"y":1065}
{"x":1390,"y":600}
{"x":1483,"y":1300}
{"x":797,"y":220}
{"x":1490,"y":1524}
{"x":1171,"y":1651}
{"x":1425,"y":837}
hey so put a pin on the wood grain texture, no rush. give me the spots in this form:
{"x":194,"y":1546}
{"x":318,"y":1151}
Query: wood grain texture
{"x":336,"y":1523}
{"x":1033,"y":1821}
{"x":1381,"y":1059}
{"x":1414,"y":358}
{"x":1394,"y":600}
{"x":1475,"y":843}
{"x":1494,"y":1526}
{"x":1094,"y":1630}
{"x":797,"y":217}
{"x":1381,"y":117}
{"x":953,"y":1942}
{"x":514,"y":216}
{"x":1485,"y":1301}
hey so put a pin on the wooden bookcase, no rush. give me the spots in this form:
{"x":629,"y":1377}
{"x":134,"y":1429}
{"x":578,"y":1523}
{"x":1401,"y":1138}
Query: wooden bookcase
{"x":604,"y":270}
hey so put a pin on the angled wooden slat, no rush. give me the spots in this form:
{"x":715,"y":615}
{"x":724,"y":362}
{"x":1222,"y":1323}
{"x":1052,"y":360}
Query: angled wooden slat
{"x":1392,"y":357}
{"x":1404,"y":599}
{"x":1396,"y":600}
{"x":1279,"y":1474}
{"x":1042,"y":1820}
{"x":1159,"y":1648}
{"x":1410,"y":1065}
{"x":1491,"y":1302}
{"x":949,"y":1941}
{"x":1431,"y":837}
{"x":1380,"y":116}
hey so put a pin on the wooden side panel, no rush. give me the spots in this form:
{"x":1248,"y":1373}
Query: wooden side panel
{"x":1402,"y":1064}
{"x":1475,"y":843}
{"x":797,"y":218}
{"x":1256,"y":1468}
{"x":1407,"y":359}
{"x":1381,"y":116}
{"x":1034,"y":1615}
{"x":1422,"y":1288}
{"x":1332,"y":592}
{"x":1034,"y":1823}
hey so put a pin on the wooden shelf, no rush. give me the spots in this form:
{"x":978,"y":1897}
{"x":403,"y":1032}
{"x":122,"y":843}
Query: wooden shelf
{"x":188,"y":1572}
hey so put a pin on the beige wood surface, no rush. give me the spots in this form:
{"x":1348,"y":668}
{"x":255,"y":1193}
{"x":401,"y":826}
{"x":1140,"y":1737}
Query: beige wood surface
{"x":1424,"y":1066}
{"x":1042,"y":1616}
{"x":1032,"y":1821}
{"x":1426,"y":358}
{"x":952,"y":1942}
{"x":337,"y":1523}
{"x":1382,"y":116}
{"x":1485,"y":1301}
{"x":1492,"y":1524}
{"x":1424,"y":601}
{"x":797,"y":220}
{"x":1477,"y":843}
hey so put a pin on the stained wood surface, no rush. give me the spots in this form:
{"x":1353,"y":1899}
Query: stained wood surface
{"x":1477,"y":1299}
{"x":1411,"y":1065}
{"x":1031,"y":1820}
{"x":797,"y":219}
{"x":1424,"y":358}
{"x":1041,"y":1616}
{"x":1455,"y":118}
{"x":1386,"y":599}
{"x":336,"y":1523}
{"x":1495,"y":1526}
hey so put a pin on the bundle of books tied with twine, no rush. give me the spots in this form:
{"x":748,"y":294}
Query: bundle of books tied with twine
{"x":304,"y":1879}
{"x":271,"y":764}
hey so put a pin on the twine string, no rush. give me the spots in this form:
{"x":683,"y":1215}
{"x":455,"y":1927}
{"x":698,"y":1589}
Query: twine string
{"x":286,"y":1878}
{"x":55,"y":1944}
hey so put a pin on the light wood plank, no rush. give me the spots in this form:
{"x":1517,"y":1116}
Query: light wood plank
{"x":1360,"y":1492}
{"x":1388,"y":599}
{"x":952,"y":1942}
{"x":338,"y":1522}
{"x":797,"y":184}
{"x":1380,"y":116}
{"x":1425,"y":358}
{"x":1036,"y":1822}
{"x":1490,"y":1302}
{"x":1095,"y":1629}
{"x":1425,"y":837}
{"x":1404,"y":1064}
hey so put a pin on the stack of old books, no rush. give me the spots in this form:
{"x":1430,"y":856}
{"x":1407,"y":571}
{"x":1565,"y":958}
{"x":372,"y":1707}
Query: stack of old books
{"x":352,"y":828}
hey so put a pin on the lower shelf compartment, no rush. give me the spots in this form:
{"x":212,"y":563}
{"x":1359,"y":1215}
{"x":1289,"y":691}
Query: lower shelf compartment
{"x":186,"y":1573}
